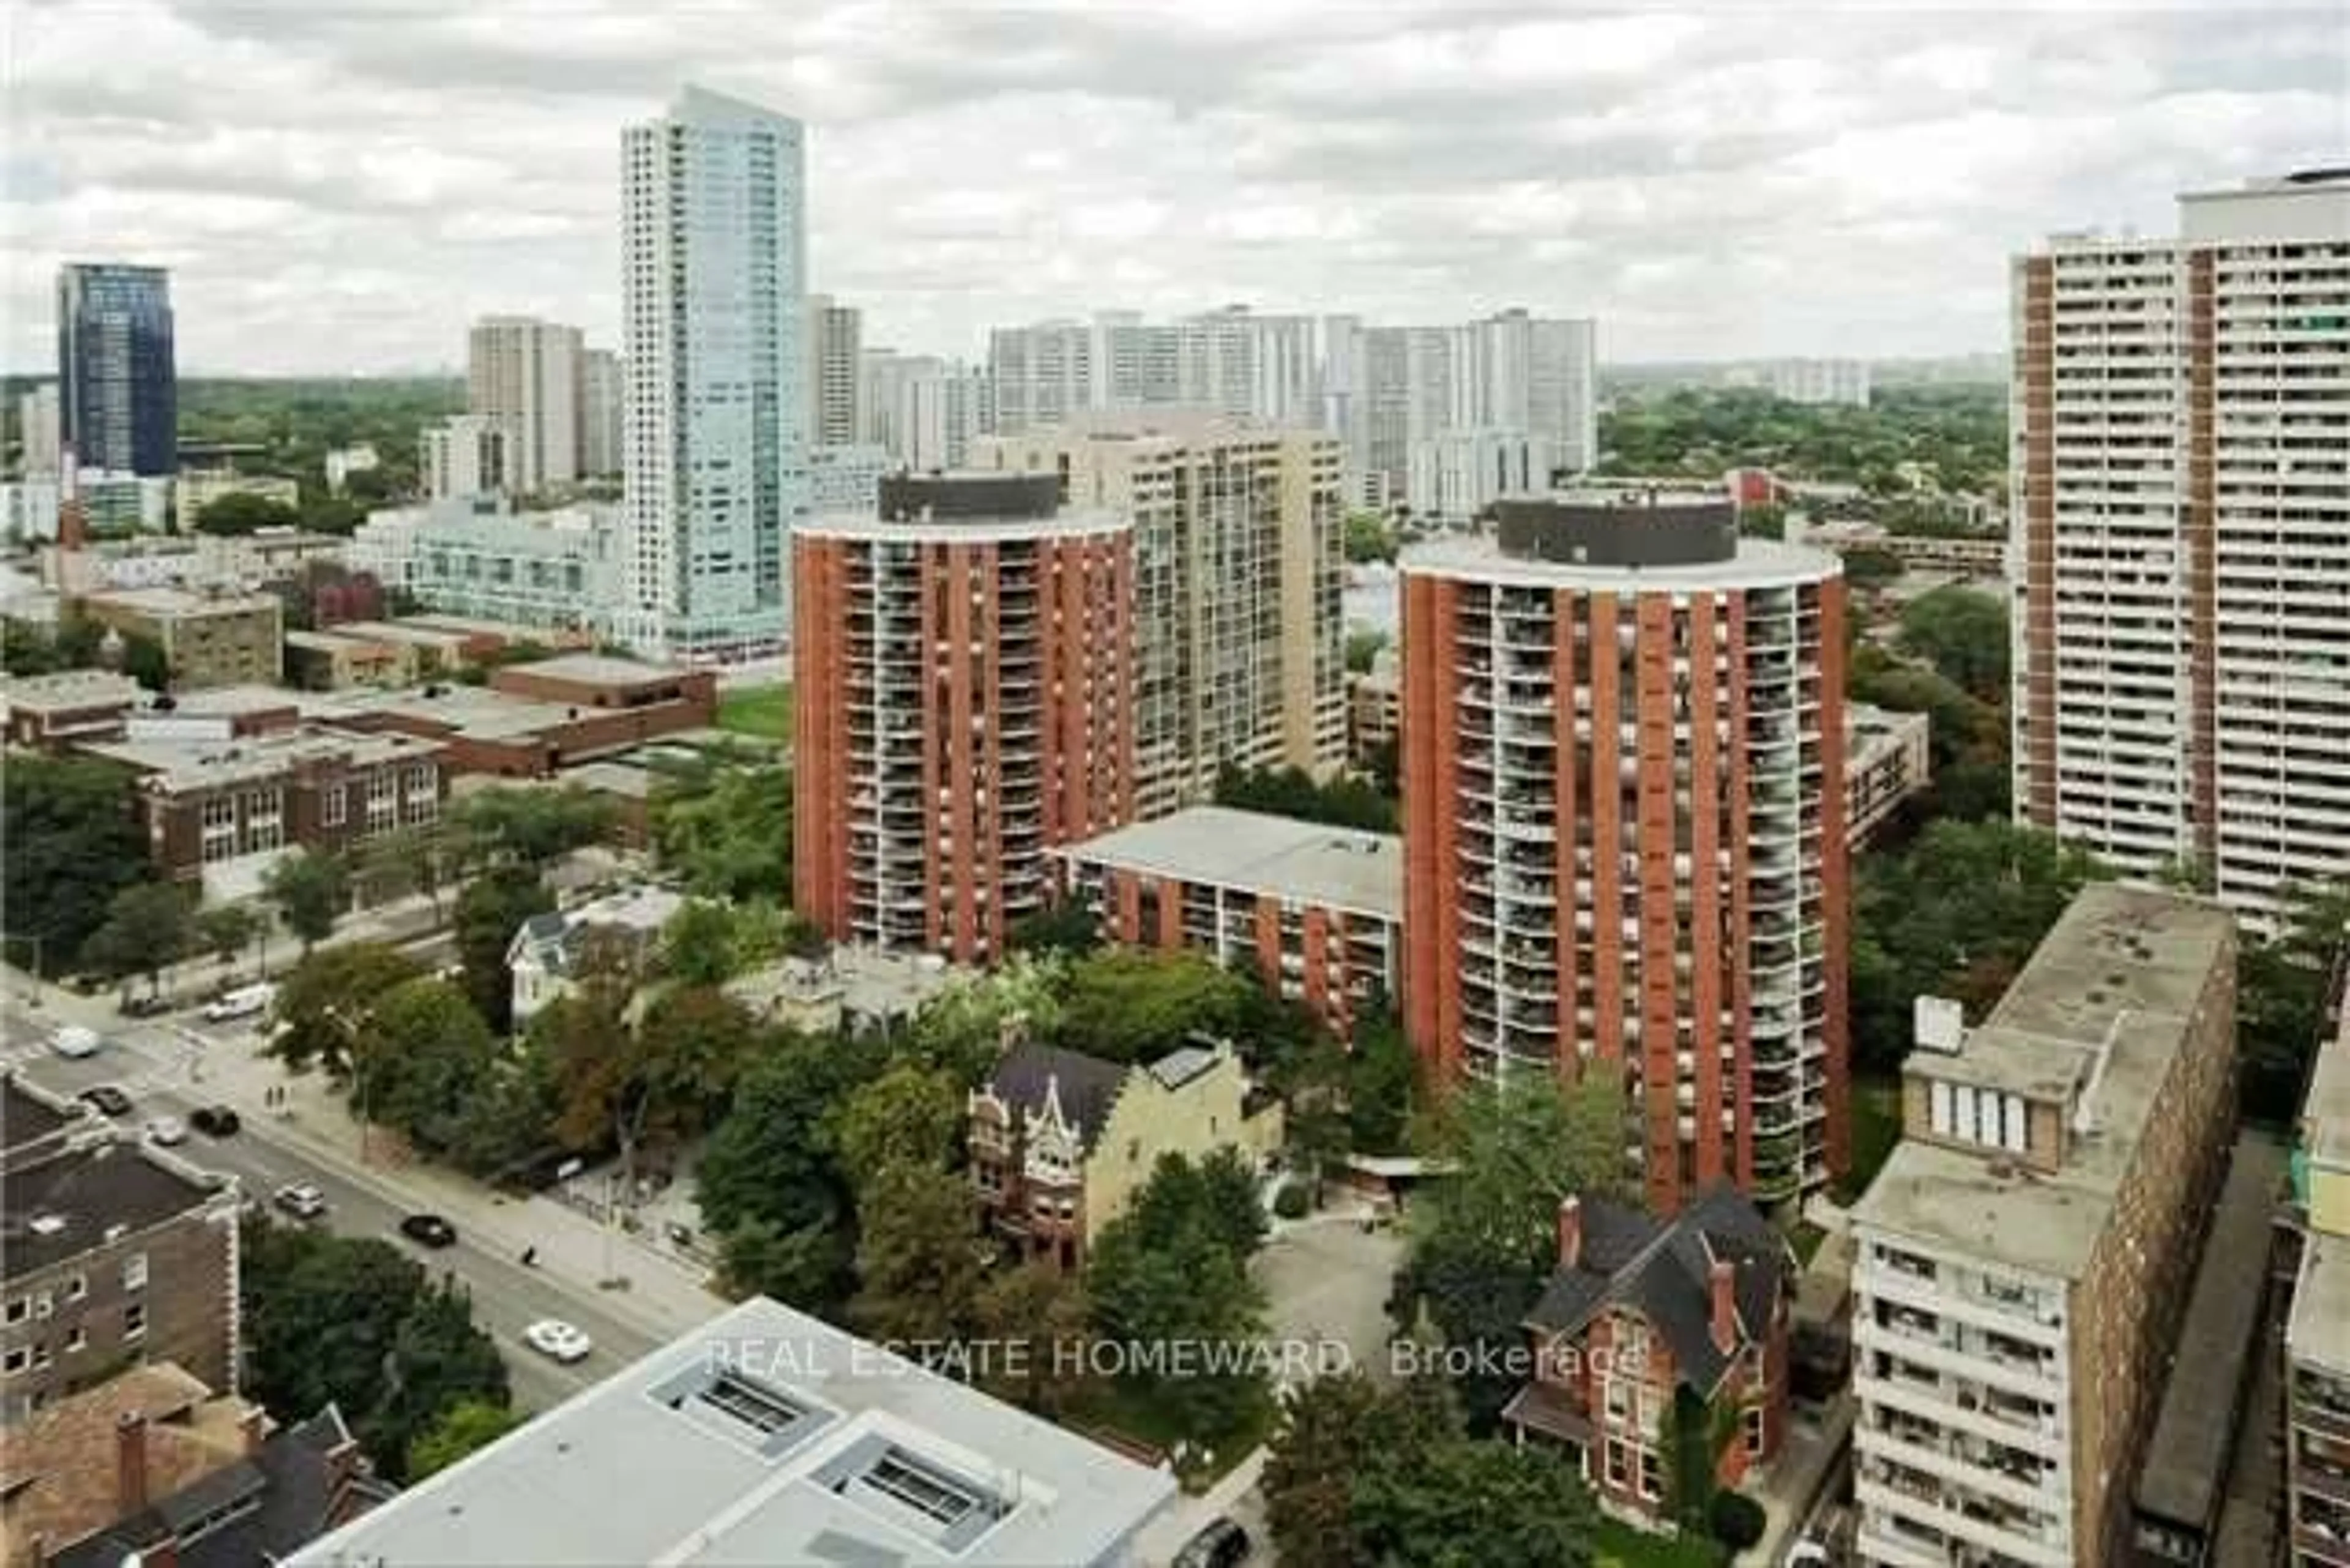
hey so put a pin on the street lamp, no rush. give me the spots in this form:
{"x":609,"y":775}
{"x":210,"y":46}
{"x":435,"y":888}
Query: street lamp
{"x":359,"y":1073}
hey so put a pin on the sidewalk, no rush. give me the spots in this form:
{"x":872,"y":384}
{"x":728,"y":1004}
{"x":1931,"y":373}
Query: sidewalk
{"x":400,"y":920}
{"x":661,"y":1295}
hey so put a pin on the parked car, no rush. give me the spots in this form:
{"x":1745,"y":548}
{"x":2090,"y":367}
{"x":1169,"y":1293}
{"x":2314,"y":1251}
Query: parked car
{"x":244,"y":1001}
{"x":215,"y":1121}
{"x":148,"y":1006}
{"x":551,"y":1336}
{"x":166,"y":1131}
{"x":300,"y":1200}
{"x":1223,"y":1544}
{"x":74,"y":1042}
{"x":429,"y":1230}
{"x":106,"y":1100}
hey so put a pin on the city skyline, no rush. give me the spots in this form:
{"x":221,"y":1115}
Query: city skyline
{"x":1710,"y":187}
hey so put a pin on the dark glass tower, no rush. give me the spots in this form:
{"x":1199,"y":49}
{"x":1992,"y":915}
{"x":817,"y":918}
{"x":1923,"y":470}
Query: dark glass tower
{"x":118,"y":398}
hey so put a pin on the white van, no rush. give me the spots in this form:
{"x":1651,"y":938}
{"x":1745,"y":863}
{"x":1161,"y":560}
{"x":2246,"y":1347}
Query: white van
{"x":74,"y":1042}
{"x":245,"y":1001}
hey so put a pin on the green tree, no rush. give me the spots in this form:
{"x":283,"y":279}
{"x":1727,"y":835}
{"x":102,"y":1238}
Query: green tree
{"x":457,"y":1431}
{"x":1331,"y":1431}
{"x":354,"y":1322}
{"x":1173,"y":1270}
{"x":911,"y":1116}
{"x":729,"y":835}
{"x":1382,"y":1076}
{"x":1954,"y":914}
{"x":322,"y":998}
{"x":1871,"y":568}
{"x":2283,"y":983}
{"x":963,"y":1028}
{"x":702,"y":943}
{"x":73,"y":842}
{"x":532,"y":828}
{"x":1135,"y":1005}
{"x":310,"y":891}
{"x":921,"y":1261}
{"x":1293,"y":792}
{"x":1368,"y":538}
{"x":1363,"y":646}
{"x":1467,"y":1504}
{"x":490,"y":910}
{"x":1042,"y":1311}
{"x":1068,"y":927}
{"x":1485,"y":1239}
{"x":149,"y":926}
{"x":243,"y":512}
{"x":424,"y":1056}
{"x":1962,"y":632}
{"x":225,"y":930}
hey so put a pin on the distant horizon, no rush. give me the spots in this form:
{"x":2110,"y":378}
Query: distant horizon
{"x":1708,"y":184}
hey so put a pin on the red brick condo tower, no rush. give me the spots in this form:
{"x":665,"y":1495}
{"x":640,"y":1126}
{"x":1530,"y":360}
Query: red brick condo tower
{"x":1622,"y":742}
{"x":963,"y":669}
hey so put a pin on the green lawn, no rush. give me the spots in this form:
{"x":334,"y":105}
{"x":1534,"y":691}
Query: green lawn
{"x":1621,"y":1546}
{"x":764,"y":710}
{"x":1876,"y":1128}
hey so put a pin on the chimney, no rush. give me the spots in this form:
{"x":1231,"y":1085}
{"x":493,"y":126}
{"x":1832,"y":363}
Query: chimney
{"x":1570,"y":1231}
{"x":1721,"y":1277}
{"x":254,"y":1425}
{"x":131,"y":1463}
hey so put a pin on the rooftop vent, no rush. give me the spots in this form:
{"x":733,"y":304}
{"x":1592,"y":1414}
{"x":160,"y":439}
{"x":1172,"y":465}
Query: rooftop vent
{"x":1939,"y":1024}
{"x":48,"y":1224}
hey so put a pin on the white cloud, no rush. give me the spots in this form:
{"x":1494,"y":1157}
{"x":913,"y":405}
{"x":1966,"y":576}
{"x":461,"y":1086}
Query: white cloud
{"x":341,"y":185}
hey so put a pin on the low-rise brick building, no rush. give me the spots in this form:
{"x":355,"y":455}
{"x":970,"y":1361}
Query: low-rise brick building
{"x":53,"y":710}
{"x":1654,"y":1333}
{"x":532,"y":721}
{"x":117,"y":1254}
{"x":1061,"y":1142}
{"x":208,"y":638}
{"x":205,"y":802}
{"x":1317,"y":911}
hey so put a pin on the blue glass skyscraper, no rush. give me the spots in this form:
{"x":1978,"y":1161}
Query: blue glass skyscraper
{"x":118,"y":396}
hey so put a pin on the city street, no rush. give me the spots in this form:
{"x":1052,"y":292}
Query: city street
{"x":174,"y":1065}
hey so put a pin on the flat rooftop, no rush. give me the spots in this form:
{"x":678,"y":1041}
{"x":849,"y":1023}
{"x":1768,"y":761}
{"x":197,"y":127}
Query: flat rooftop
{"x":2325,"y":1109}
{"x":596,"y":669}
{"x":2116,"y":978}
{"x":201,"y":764}
{"x":1758,"y":563}
{"x":767,"y":1436}
{"x":478,"y":712}
{"x":67,"y":690}
{"x":394,"y":632}
{"x":1301,"y":862}
{"x":169,"y":601}
{"x":59,"y":1207}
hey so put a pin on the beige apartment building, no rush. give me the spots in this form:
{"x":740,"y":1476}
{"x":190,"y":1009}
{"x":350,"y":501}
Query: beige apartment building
{"x":208,"y":639}
{"x":2023,"y":1259}
{"x":1239,"y":566}
{"x":526,"y":375}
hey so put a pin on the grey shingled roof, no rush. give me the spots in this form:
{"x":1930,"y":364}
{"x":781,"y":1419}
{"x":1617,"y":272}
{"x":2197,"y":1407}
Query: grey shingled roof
{"x":1087,"y":1085}
{"x":1659,"y":1268}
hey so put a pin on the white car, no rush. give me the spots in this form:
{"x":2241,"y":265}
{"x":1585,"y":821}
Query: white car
{"x":166,"y":1130}
{"x":301,"y":1199}
{"x":245,"y":1001}
{"x":553,"y":1337}
{"x":76,"y":1043}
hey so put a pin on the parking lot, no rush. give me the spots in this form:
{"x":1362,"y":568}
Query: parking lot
{"x":1325,"y":1281}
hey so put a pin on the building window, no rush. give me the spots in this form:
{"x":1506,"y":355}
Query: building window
{"x":331,"y":806}
{"x":15,"y":1361}
{"x":43,"y":1305}
{"x":382,"y":800}
{"x":264,"y":819}
{"x":20,"y":1309}
{"x":219,"y":827}
{"x":134,"y":1272}
{"x":76,"y":1287}
{"x":1755,"y":1424}
{"x":1652,"y":1479}
{"x":40,"y":1355}
{"x":1619,"y":1473}
{"x":76,"y":1339}
{"x":134,"y":1321}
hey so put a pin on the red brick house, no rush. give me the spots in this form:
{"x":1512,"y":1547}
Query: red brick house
{"x":1645,"y":1312}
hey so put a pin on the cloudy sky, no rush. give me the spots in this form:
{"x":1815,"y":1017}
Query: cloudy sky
{"x":339,"y":186}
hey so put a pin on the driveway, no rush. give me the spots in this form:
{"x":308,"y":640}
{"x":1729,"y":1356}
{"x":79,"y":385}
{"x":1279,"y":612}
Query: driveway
{"x":1325,"y":1281}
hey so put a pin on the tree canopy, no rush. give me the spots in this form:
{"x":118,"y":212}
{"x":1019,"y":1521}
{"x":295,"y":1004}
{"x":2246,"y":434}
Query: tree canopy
{"x":321,"y":1000}
{"x":1954,"y":914}
{"x":310,"y":890}
{"x":1963,"y":633}
{"x":245,"y":511}
{"x":1292,"y":792}
{"x":354,"y":1322}
{"x":729,"y":835}
{"x":73,"y":844}
{"x":532,"y":827}
{"x":150,"y":925}
{"x":490,"y":910}
{"x":1135,"y":1005}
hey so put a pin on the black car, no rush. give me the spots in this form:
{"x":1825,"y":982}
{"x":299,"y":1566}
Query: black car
{"x":106,"y":1100}
{"x":1223,"y":1544}
{"x":429,"y":1230}
{"x":142,"y":1006}
{"x":215,"y":1121}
